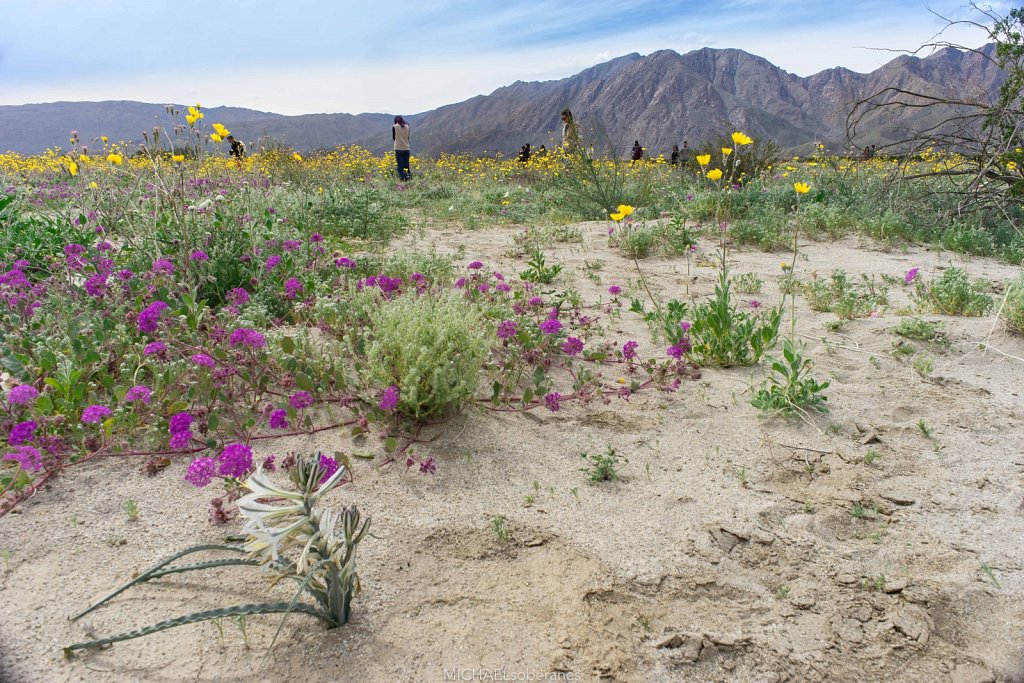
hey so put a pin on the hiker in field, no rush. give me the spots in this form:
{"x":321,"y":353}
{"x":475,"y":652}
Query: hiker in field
{"x":638,"y":151}
{"x":400,"y":134}
{"x":524,"y":153}
{"x":675,"y":155}
{"x":542,"y":151}
{"x":570,"y":135}
{"x":237,"y":148}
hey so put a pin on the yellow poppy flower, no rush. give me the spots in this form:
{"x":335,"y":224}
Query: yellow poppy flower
{"x":625,"y":209}
{"x":726,"y":151}
{"x":616,"y":216}
{"x":740,"y":139}
{"x":715,"y":174}
{"x":190,"y":120}
{"x":801,"y":188}
{"x":114,"y":159}
{"x":221,"y":130}
{"x":215,"y":137}
{"x":703,"y":159}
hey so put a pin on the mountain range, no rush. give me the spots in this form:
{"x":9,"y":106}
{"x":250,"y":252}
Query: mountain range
{"x":660,"y":99}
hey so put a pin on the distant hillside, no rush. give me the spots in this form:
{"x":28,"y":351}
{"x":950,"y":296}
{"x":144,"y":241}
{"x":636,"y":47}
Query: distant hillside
{"x":660,"y":99}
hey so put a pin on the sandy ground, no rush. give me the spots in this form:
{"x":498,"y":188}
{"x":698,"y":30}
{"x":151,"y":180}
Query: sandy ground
{"x":728,"y":551}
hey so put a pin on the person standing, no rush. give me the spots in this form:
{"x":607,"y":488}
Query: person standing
{"x":675,"y":155}
{"x":638,"y":151}
{"x":400,"y":134}
{"x":570,"y":136}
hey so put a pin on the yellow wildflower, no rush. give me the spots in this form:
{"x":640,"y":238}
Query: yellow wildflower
{"x":297,"y":156}
{"x":703,"y":159}
{"x":114,"y":159}
{"x":73,"y":168}
{"x":625,"y":209}
{"x":740,"y":139}
{"x":104,"y":139}
{"x":177,"y":158}
{"x":801,"y":188}
{"x":93,"y":186}
{"x":221,"y":130}
{"x":190,"y":120}
{"x":215,"y":137}
{"x":715,"y":174}
{"x":726,"y":151}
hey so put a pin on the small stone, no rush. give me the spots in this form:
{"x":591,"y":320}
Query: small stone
{"x":913,"y":622}
{"x":729,"y":664}
{"x":846,"y":579}
{"x":673,"y":642}
{"x":871,"y":437}
{"x":898,"y":495}
{"x":893,"y":586}
{"x":850,"y":631}
{"x":763,"y":537}
{"x":802,"y":600}
{"x":534,"y":542}
{"x":862,"y":614}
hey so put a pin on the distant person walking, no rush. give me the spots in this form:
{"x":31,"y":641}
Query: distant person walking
{"x":524,"y":153}
{"x":638,"y":151}
{"x":570,"y":135}
{"x":675,"y":155}
{"x":400,"y":134}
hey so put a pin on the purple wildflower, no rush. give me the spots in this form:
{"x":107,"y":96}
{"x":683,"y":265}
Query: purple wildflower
{"x":149,"y":317}
{"x":29,"y":458}
{"x":180,"y":440}
{"x":163,"y":266}
{"x":685,"y":325}
{"x":201,"y":472}
{"x":475,"y":265}
{"x":291,"y":245}
{"x":755,"y":304}
{"x":139,"y":392}
{"x":125,"y":274}
{"x":21,"y":395}
{"x":292,"y":287}
{"x":911,"y":275}
{"x":94,"y":414}
{"x":344,"y":262}
{"x":551,"y":327}
{"x":155,"y":349}
{"x":615,"y":290}
{"x":300,"y":400}
{"x":179,"y":422}
{"x":507,"y":329}
{"x":629,"y":350}
{"x":21,"y":433}
{"x":552,"y":401}
{"x":198,"y":256}
{"x":330,"y":466}
{"x":272,"y":262}
{"x":279,"y":419}
{"x":483,"y":288}
{"x":235,"y":460}
{"x":428,"y":466}
{"x":536,"y":301}
{"x":460,"y":283}
{"x":245,"y":336}
{"x":572,"y":346}
{"x":205,"y":360}
{"x":503,"y":287}
{"x":316,"y":237}
{"x":270,"y":463}
{"x":388,"y":398}
{"x":238,"y":296}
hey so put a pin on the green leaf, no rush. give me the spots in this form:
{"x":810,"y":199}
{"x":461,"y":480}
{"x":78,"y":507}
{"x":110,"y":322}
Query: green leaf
{"x":176,"y":407}
{"x":303,"y":381}
{"x":288,"y":345}
{"x":212,"y":422}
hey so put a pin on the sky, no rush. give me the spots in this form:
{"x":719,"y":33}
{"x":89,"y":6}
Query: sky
{"x":302,"y":56}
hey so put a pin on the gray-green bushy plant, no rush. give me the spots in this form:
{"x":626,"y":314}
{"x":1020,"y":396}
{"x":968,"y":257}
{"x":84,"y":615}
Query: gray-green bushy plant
{"x":953,"y":293}
{"x":1013,"y":308}
{"x":432,"y":348}
{"x":722,"y":335}
{"x":790,"y":388}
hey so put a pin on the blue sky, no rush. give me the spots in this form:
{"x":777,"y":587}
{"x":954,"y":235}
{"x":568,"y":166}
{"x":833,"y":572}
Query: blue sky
{"x":301,"y":56}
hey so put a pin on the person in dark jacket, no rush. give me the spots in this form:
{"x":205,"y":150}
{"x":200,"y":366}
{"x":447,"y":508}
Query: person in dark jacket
{"x":400,"y":135}
{"x":675,"y":155}
{"x":638,"y":151}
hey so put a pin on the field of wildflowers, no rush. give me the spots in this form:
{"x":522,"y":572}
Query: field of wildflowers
{"x":171,"y":310}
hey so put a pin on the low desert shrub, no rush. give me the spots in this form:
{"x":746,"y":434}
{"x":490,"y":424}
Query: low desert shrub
{"x":1013,"y":308}
{"x":953,"y":293}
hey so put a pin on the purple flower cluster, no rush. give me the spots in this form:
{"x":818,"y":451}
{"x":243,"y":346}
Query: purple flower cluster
{"x":552,"y":401}
{"x":204,"y":360}
{"x":149,"y":317}
{"x":180,"y":428}
{"x":22,"y":433}
{"x":139,"y":392}
{"x":163,"y":266}
{"x":330,"y":466}
{"x":21,"y":395}
{"x":475,"y":265}
{"x":18,"y":292}
{"x":279,"y":419}
{"x":28,"y":457}
{"x":389,"y":398}
{"x":572,"y":346}
{"x":156,"y":348}
{"x":94,"y":414}
{"x":198,"y":256}
{"x":615,"y":290}
{"x":629,"y":350}
{"x":428,"y":466}
{"x":911,"y":276}
{"x":235,"y":460}
{"x":73,"y":256}
{"x":243,"y":336}
{"x":272,"y":263}
{"x":201,"y":472}
{"x":238,"y":296}
{"x":344,"y":262}
{"x":506,"y":329}
{"x":551,"y":326}
{"x":300,"y":400}
{"x":292,"y":287}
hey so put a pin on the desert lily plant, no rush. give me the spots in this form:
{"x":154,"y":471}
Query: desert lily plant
{"x":280,"y":523}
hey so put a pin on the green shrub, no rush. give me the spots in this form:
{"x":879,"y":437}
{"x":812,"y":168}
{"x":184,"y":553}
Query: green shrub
{"x":432,"y":349}
{"x":953,"y":294}
{"x":846,"y":299}
{"x":1013,"y":308}
{"x":721,"y":335}
{"x":921,"y":330}
{"x":789,"y":388}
